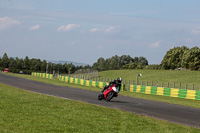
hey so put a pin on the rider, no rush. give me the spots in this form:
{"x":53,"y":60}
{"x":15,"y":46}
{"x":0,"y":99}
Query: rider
{"x":117,"y":84}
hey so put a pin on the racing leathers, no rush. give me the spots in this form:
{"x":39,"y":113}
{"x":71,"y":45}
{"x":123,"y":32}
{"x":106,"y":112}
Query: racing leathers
{"x":117,"y":85}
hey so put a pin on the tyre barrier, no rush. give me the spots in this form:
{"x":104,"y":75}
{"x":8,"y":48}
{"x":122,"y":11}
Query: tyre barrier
{"x":162,"y":91}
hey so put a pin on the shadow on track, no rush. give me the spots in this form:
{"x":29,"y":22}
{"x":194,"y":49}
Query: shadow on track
{"x":118,"y":102}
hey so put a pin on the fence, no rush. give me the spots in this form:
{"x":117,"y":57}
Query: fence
{"x":186,"y":86}
{"x":89,"y":72}
{"x":172,"y":92}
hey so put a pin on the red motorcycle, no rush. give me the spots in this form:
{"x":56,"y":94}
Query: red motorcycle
{"x":108,"y":93}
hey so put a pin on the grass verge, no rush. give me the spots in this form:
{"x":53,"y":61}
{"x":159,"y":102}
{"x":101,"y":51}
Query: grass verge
{"x":24,"y":111}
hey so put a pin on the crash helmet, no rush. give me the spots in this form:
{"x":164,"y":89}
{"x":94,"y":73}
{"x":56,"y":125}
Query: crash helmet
{"x":119,"y":80}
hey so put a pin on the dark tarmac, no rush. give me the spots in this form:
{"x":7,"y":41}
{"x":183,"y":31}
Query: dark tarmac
{"x":169,"y":112}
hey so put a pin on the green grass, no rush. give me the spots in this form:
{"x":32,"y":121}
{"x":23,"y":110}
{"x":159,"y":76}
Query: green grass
{"x":24,"y":111}
{"x":178,"y":101}
{"x":190,"y":77}
{"x":155,"y":75}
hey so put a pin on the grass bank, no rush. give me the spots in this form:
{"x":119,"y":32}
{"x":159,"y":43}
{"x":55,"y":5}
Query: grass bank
{"x":171,"y":76}
{"x":178,"y":101}
{"x":155,"y":75}
{"x":23,"y":111}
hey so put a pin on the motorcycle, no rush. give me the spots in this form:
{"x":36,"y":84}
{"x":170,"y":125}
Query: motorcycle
{"x":108,"y":93}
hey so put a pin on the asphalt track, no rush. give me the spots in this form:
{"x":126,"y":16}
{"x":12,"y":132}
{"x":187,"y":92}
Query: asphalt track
{"x":172,"y":113}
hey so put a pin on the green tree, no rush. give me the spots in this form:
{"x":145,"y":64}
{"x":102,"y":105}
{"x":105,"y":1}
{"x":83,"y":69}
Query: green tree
{"x":143,"y":61}
{"x":86,"y":67}
{"x":71,"y":68}
{"x":125,"y":59}
{"x":50,"y":67}
{"x":26,"y":63}
{"x":113,"y":64}
{"x":140,"y":66}
{"x":120,"y":62}
{"x":58,"y":67}
{"x":20,"y":63}
{"x":12,"y":63}
{"x":134,"y":65}
{"x":130,"y":66}
{"x":5,"y":61}
{"x":43,"y":66}
{"x":191,"y":59}
{"x":100,"y":64}
{"x":35,"y":64}
{"x":65,"y":68}
{"x":173,"y":57}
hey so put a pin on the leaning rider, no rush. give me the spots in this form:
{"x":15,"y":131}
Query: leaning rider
{"x":117,"y":84}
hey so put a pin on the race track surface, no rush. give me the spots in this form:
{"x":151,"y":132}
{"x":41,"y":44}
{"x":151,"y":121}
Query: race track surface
{"x":172,"y":113}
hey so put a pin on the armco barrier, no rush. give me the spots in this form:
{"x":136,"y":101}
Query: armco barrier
{"x":172,"y":92}
{"x":74,"y":80}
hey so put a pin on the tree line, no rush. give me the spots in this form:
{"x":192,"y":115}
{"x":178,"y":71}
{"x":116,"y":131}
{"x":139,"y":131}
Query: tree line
{"x":175,"y":58}
{"x":120,"y":62}
{"x":27,"y":65}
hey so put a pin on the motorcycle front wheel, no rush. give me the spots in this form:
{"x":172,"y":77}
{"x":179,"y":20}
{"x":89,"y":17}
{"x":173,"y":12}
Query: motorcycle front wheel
{"x":100,"y":97}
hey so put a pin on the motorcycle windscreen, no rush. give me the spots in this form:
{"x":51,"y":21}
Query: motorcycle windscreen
{"x":114,"y":89}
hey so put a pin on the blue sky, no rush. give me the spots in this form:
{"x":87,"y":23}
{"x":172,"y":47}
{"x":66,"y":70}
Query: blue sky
{"x":85,"y":30}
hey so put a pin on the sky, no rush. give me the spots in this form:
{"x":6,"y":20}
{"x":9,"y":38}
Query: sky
{"x":85,"y":30}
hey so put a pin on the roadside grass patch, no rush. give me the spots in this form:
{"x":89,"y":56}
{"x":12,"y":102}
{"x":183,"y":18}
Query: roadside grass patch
{"x":24,"y":111}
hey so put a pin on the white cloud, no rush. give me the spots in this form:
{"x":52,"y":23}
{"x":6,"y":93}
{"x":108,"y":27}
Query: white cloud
{"x":35,"y":27}
{"x":196,"y":30}
{"x":112,"y":29}
{"x":96,"y":30}
{"x":7,"y":22}
{"x":68,"y":27}
{"x":155,"y":45}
